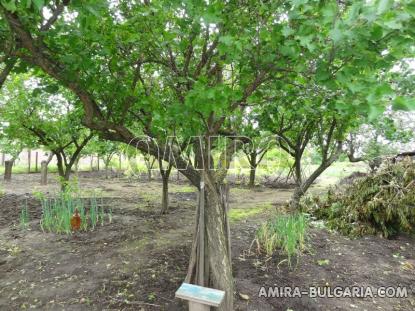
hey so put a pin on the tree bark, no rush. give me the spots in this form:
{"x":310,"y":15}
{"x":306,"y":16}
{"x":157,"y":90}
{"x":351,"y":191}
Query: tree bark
{"x":8,"y":166}
{"x":253,"y":164}
{"x":44,"y":173}
{"x":165,"y":174}
{"x":212,"y":240}
{"x":252,"y":174}
{"x":302,"y":188}
{"x":36,"y":161}
{"x":63,"y":172}
{"x":165,"y":194}
{"x":29,"y":160}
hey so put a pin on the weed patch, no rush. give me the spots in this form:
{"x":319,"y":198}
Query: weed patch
{"x":286,"y":233}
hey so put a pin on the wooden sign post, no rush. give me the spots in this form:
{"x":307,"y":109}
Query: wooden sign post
{"x":200,"y":298}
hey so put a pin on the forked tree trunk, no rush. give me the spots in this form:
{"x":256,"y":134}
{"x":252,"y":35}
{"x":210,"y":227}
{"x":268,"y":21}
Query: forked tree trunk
{"x":302,"y":187}
{"x":165,"y":174}
{"x":64,"y":172}
{"x":210,"y":260}
{"x":8,"y":167}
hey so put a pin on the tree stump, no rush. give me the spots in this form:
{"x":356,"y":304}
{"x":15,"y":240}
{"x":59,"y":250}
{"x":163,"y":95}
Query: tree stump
{"x":44,"y":173}
{"x":8,"y":165}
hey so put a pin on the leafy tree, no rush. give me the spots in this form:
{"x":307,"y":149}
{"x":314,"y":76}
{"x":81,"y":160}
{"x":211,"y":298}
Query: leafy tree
{"x":299,"y":122}
{"x":34,"y":116}
{"x":192,"y":66}
{"x":259,"y":145}
{"x":105,"y":149}
{"x":376,"y":140}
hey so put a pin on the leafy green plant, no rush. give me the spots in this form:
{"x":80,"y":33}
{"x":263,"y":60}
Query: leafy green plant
{"x":57,"y":213}
{"x":24,"y":216}
{"x":286,"y":233}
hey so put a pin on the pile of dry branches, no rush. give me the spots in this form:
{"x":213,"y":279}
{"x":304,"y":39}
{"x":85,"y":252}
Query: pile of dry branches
{"x":380,"y":203}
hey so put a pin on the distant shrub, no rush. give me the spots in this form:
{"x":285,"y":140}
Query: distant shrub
{"x":380,"y":203}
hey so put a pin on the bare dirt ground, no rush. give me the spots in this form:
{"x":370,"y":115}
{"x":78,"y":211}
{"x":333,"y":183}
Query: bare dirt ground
{"x":139,"y":260}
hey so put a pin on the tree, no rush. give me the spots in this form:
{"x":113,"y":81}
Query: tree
{"x":378,"y":139}
{"x":259,"y":145}
{"x":300,"y":122}
{"x":36,"y":117}
{"x":192,"y":66}
{"x":105,"y":149}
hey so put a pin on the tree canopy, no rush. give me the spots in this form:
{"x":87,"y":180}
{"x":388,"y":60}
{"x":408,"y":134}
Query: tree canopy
{"x":193,"y":68}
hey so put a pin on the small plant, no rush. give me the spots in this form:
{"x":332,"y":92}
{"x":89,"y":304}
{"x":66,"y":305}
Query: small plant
{"x":285,"y":232}
{"x":57,"y":213}
{"x":24,"y":217}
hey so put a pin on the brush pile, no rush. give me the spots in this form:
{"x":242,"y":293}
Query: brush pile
{"x":380,"y":203}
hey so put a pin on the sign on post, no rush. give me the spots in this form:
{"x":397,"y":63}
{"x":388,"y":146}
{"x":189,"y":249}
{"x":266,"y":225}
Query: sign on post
{"x":200,"y":298}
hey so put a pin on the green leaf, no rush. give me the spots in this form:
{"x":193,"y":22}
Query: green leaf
{"x":403,"y":103}
{"x":375,"y":111}
{"x":39,"y":4}
{"x":227,"y":40}
{"x":336,"y":34}
{"x":383,"y":6}
{"x":9,"y":5}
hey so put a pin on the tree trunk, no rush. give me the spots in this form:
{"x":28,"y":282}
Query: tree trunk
{"x":29,"y":160}
{"x":3,"y":158}
{"x":44,"y":173}
{"x":252,"y":174}
{"x":165,"y":194}
{"x":64,"y":172}
{"x":210,"y":261}
{"x":302,"y":188}
{"x":165,"y":174}
{"x":8,"y":166}
{"x":253,"y":164}
{"x":36,"y":161}
{"x":98,"y":163}
{"x":297,"y":170}
{"x":149,"y":176}
{"x":77,"y":166}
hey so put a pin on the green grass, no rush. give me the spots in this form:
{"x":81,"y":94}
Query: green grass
{"x":286,"y":233}
{"x":238,"y":214}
